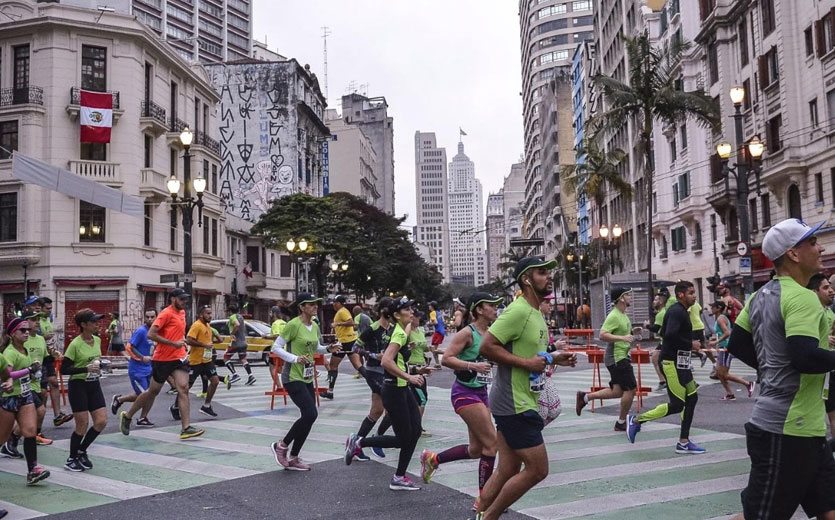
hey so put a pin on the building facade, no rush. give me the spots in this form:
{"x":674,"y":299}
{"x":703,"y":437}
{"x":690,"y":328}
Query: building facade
{"x":466,"y":220}
{"x":549,"y":30}
{"x":513,"y":198}
{"x":371,"y":116}
{"x":495,"y":235}
{"x":73,"y":251}
{"x":353,"y":160}
{"x":582,"y":65}
{"x":432,"y":203}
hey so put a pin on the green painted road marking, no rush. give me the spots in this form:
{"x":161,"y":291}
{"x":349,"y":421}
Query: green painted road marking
{"x":47,"y":497}
{"x":696,"y":508}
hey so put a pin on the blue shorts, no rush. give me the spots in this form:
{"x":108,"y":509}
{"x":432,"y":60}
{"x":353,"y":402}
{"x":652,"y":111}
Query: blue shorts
{"x":725,"y":358}
{"x":139,"y":382}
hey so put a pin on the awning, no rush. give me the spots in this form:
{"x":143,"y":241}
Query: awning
{"x":90,"y":282}
{"x":207,"y":292}
{"x":18,"y":286}
{"x":153,"y":288}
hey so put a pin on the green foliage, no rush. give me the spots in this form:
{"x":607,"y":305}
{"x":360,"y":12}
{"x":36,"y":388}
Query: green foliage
{"x":599,"y":171}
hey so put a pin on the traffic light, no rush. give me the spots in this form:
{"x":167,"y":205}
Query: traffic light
{"x":713,"y":283}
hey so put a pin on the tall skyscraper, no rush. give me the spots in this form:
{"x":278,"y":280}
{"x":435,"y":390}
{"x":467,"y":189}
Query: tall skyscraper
{"x":495,"y":234}
{"x":208,"y":30}
{"x":432,"y":207}
{"x":466,"y":222}
{"x":550,"y":31}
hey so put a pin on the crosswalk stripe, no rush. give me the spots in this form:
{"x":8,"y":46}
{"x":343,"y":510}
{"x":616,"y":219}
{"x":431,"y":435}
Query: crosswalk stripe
{"x":84,"y":481}
{"x":17,"y":512}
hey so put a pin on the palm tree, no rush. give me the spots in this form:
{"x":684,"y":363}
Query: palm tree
{"x":596,"y":173}
{"x":651,"y":93}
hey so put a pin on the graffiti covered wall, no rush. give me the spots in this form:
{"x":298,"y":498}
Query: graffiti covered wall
{"x":258,"y":121}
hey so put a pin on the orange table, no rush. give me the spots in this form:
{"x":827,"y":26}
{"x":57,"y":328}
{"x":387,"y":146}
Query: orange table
{"x":62,"y":390}
{"x":640,"y":356}
{"x":588,"y":334}
{"x":278,"y":389}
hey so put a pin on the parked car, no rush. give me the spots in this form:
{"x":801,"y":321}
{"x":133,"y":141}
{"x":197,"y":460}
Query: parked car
{"x":259,"y":341}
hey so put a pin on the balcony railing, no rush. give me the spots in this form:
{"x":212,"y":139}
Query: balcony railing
{"x":153,"y":183}
{"x":203,"y":139}
{"x":30,"y":95}
{"x":101,"y":171}
{"x":75,"y":97}
{"x":176,"y":125}
{"x":153,"y":111}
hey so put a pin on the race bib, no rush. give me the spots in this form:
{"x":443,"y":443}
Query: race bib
{"x":825,"y":391}
{"x":308,"y":371}
{"x":207,"y":354}
{"x":25,"y":386}
{"x":485,"y":379}
{"x":92,"y":376}
{"x":537,"y":382}
{"x":683,"y":360}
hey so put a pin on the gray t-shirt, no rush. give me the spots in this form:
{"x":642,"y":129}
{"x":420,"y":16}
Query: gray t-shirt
{"x":363,"y":324}
{"x":239,"y":337}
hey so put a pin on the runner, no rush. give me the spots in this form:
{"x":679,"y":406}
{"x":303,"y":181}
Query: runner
{"x":826,"y":294}
{"x":417,"y":363}
{"x":297,"y":346}
{"x":169,"y":359}
{"x":436,"y":319}
{"x":616,"y":331}
{"x":116,"y":331}
{"x":49,"y":383}
{"x":457,"y":314}
{"x":398,"y":400}
{"x":721,"y":333}
{"x":791,"y":462}
{"x":279,"y":320}
{"x":469,"y":392}
{"x":346,"y":334}
{"x":17,"y":403}
{"x":370,"y":346}
{"x":237,"y":330}
{"x":201,"y":339}
{"x":82,"y":363}
{"x":362,"y":322}
{"x":698,"y":325}
{"x":517,"y":342}
{"x":733,"y":305}
{"x":660,"y":304}
{"x":677,"y":344}
{"x":138,"y":351}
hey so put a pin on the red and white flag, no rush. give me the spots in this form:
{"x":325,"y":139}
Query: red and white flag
{"x":247,"y":271}
{"x":96,"y":116}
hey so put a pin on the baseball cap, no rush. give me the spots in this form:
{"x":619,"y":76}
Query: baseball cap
{"x":179,"y":293}
{"x":32,"y":300}
{"x":31,"y":316}
{"x":664,"y":292}
{"x":532,"y":262}
{"x":719,"y":304}
{"x":86,"y":316}
{"x":306,"y":298}
{"x":481,"y":297}
{"x":618,"y":292}
{"x":401,"y":303}
{"x":340,"y":298}
{"x":786,"y":235}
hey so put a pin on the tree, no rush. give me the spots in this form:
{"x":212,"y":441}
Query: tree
{"x":599,"y":171}
{"x":650,"y":94}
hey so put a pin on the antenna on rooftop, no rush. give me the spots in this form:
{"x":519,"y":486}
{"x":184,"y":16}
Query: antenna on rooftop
{"x":325,"y":33}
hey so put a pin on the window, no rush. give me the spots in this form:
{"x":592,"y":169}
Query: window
{"x":766,"y":204}
{"x":825,"y":34}
{"x":206,"y":224}
{"x":813,"y":113}
{"x":684,"y":136}
{"x":819,"y":189}
{"x":769,"y":68}
{"x":581,"y":6}
{"x":20,"y":72}
{"x":214,"y":237}
{"x":8,"y":217}
{"x":749,"y":94}
{"x":809,"y":41}
{"x":173,"y":103}
{"x":743,"y":43}
{"x":149,"y":145}
{"x":712,"y":63}
{"x":172,"y":162}
{"x":673,"y":151}
{"x":706,"y":7}
{"x":149,"y":80}
{"x":8,"y":138}
{"x":93,"y":68}
{"x":172,"y":238}
{"x":679,"y":239}
{"x":253,"y":258}
{"x":149,"y":224}
{"x":213,"y":184}
{"x":772,"y":134}
{"x":91,"y":222}
{"x":697,"y":237}
{"x":552,"y":10}
{"x":767,"y":14}
{"x":713,"y":227}
{"x":832,"y":184}
{"x":683,"y":186}
{"x":752,"y":211}
{"x":795,"y":210}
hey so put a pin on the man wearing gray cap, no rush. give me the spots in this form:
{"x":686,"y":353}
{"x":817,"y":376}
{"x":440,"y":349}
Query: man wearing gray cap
{"x":782,"y":332}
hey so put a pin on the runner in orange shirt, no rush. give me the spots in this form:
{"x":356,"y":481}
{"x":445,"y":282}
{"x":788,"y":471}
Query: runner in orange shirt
{"x":170,"y":358}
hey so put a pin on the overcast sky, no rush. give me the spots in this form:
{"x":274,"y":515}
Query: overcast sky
{"x":441,"y":65}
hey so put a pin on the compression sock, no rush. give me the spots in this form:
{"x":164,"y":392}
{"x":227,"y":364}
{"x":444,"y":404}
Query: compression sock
{"x":332,"y":379}
{"x":91,"y":435}
{"x":30,"y":451}
{"x":485,"y":469}
{"x":459,"y":452}
{"x":230,"y":366}
{"x":75,"y":442}
{"x":248,"y":370}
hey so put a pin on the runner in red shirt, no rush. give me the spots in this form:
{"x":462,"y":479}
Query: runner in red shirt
{"x":170,"y":359}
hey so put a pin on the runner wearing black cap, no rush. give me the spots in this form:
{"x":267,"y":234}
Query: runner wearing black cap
{"x":617,"y":333}
{"x":518,"y":343}
{"x":297,"y":346}
{"x":660,"y":303}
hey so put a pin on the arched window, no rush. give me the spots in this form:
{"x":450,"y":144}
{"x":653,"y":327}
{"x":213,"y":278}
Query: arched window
{"x":794,"y":202}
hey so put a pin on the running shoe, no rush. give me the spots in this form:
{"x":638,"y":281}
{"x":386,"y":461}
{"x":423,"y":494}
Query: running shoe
{"x":403,"y":483}
{"x":61,"y":418}
{"x":661,"y":386}
{"x":202,"y":395}
{"x":620,"y":426}
{"x":357,"y":375}
{"x":171,"y":391}
{"x":143,"y":421}
{"x":207,"y":409}
{"x":115,"y":404}
{"x":234,"y":379}
{"x":691,"y":448}
{"x":478,"y":516}
{"x":124,"y":423}
{"x":42,"y":441}
{"x":175,"y":412}
{"x":380,"y":452}
{"x":632,"y":427}
{"x":280,"y":454}
{"x":476,"y":503}
{"x":703,"y":358}
{"x":713,"y":374}
{"x":190,"y":433}
{"x":296,"y":464}
{"x":10,"y":451}
{"x":327,"y":395}
{"x":751,"y":387}
{"x":227,"y":381}
{"x":250,"y":380}
{"x":3,"y":513}
{"x":581,"y":402}
{"x":728,"y":397}
{"x":73,"y":465}
{"x":351,"y":448}
{"x":84,"y":460}
{"x":428,"y":465}
{"x":362,"y":457}
{"x":37,"y":474}
{"x":425,"y":433}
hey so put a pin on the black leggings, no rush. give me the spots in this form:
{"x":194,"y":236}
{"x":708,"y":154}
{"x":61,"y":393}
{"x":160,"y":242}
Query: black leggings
{"x":303,"y":397}
{"x":402,"y":408}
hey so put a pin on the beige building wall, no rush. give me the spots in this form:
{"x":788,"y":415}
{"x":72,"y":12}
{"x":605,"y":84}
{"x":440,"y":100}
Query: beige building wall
{"x":353,"y":160}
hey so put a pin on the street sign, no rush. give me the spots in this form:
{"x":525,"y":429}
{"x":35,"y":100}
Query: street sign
{"x":177,"y":278}
{"x":742,"y":249}
{"x":744,"y":265}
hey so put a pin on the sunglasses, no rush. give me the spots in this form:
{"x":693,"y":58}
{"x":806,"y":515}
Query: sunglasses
{"x":23,"y":329}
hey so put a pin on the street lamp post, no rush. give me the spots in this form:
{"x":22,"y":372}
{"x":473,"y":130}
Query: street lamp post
{"x":755,"y":149}
{"x":187,"y":203}
{"x":296,"y":249}
{"x":336,"y":268}
{"x":611,"y":243}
